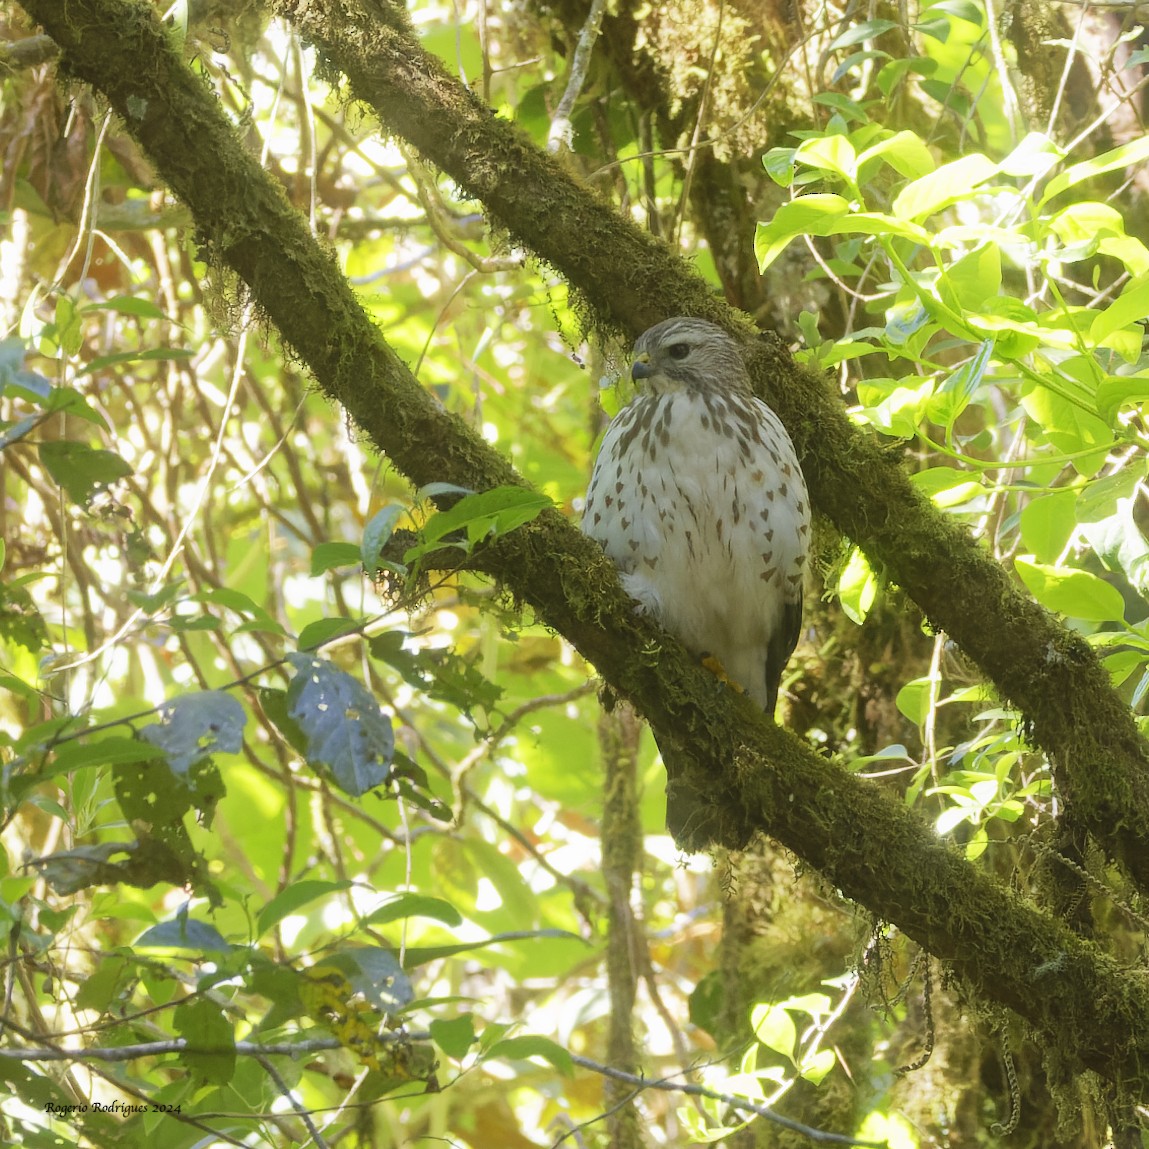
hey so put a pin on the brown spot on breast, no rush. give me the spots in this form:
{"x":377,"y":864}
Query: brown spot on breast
{"x":609,"y":500}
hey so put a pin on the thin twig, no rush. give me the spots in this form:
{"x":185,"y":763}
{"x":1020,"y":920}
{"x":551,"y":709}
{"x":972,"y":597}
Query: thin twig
{"x":561,"y":135}
{"x":666,"y":1085}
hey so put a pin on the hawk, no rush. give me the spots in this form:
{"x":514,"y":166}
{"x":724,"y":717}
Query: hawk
{"x":697,"y":496}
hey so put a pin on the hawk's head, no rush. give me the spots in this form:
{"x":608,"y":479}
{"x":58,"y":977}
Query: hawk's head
{"x":685,"y":354}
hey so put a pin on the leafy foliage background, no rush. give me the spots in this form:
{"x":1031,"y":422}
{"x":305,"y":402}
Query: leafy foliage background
{"x":328,"y":847}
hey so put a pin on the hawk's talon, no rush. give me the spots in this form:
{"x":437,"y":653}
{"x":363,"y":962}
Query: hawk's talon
{"x":719,"y":671}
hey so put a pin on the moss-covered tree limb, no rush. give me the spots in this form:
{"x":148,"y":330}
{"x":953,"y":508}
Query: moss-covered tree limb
{"x":1050,"y":674}
{"x":762,"y":777}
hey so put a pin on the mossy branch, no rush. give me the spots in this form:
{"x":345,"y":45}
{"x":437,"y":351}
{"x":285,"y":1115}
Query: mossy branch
{"x":759,"y":776}
{"x":1100,"y":761}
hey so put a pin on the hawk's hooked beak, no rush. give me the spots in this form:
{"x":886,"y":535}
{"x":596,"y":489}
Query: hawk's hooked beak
{"x":641,"y":368}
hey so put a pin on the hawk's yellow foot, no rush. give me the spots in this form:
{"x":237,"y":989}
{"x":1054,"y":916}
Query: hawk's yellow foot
{"x":719,"y":671}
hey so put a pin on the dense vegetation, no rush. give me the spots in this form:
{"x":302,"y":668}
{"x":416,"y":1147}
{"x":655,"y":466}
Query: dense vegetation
{"x":328,"y":816}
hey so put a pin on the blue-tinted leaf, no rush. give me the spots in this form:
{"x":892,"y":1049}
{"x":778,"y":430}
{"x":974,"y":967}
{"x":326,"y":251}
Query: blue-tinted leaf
{"x":346,"y":731}
{"x":183,"y":933}
{"x":376,"y":974}
{"x":195,"y":726}
{"x":377,"y":532}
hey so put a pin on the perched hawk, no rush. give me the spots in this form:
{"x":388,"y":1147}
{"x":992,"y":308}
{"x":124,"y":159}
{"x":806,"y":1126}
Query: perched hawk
{"x":698,"y":497}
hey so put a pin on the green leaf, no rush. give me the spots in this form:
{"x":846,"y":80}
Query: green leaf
{"x":948,"y":184}
{"x":948,"y":486}
{"x":814,"y":1069}
{"x":1089,"y":227}
{"x":410,"y":905}
{"x":85,"y":753}
{"x":493,"y":512}
{"x":829,"y":153}
{"x":315,"y":634}
{"x":1048,"y":522}
{"x":128,"y":305}
{"x":1131,"y":306}
{"x":904,"y":151}
{"x":857,"y":587}
{"x":1121,"y":546}
{"x":454,"y":1036}
{"x":114,"y":973}
{"x":956,"y":391}
{"x":868,"y":30}
{"x":913,"y":700}
{"x":1069,"y":428}
{"x":1099,"y":499}
{"x":975,"y":277}
{"x":296,"y":895}
{"x":779,"y":165}
{"x":154,"y":354}
{"x":416,"y":956}
{"x":825,"y":215}
{"x":81,"y":470}
{"x":328,"y":556}
{"x":1034,"y":156}
{"x":815,"y":1004}
{"x":806,"y":215}
{"x":202,"y":1024}
{"x":441,"y":674}
{"x":963,"y":9}
{"x":532,"y":1045}
{"x":69,"y":326}
{"x":1126,"y":156}
{"x":1075,"y":593}
{"x":774,"y":1028}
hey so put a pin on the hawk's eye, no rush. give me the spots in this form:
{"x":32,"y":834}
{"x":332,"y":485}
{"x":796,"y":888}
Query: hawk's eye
{"x":679,"y":350}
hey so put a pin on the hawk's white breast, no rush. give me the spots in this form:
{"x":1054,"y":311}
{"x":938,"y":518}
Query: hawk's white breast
{"x":699,"y":499}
